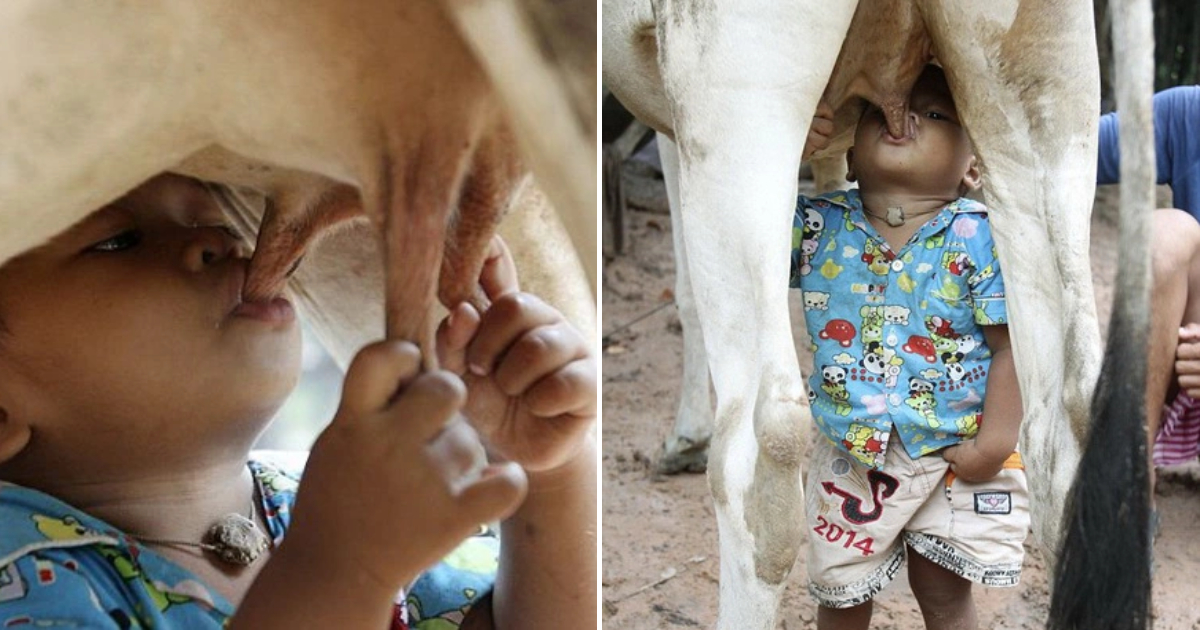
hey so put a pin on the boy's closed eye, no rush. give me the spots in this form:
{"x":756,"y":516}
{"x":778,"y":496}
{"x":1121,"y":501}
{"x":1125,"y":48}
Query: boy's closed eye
{"x":122,"y":241}
{"x":130,"y":238}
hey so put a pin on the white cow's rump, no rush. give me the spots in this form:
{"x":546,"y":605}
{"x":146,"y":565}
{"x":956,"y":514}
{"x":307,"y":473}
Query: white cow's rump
{"x":735,"y":85}
{"x":409,"y":107}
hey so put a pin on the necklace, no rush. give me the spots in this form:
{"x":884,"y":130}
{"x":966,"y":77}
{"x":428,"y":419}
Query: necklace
{"x":895,"y":215}
{"x":233,"y":539}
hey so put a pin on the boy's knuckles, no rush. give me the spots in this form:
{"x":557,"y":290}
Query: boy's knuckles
{"x":456,"y":450}
{"x":571,"y":389}
{"x":536,"y":353}
{"x":440,"y":388}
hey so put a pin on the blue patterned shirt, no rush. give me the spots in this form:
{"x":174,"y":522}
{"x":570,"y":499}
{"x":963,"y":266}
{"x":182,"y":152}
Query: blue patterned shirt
{"x":897,"y":336}
{"x":62,"y":568}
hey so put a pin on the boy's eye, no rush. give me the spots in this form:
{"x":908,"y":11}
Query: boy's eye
{"x":936,"y":116}
{"x":121,"y":242}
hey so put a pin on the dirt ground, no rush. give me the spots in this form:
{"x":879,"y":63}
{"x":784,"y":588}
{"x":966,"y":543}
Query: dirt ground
{"x":660,"y":563}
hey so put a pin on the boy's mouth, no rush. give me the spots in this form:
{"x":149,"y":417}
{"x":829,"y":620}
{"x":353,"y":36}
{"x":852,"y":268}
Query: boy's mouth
{"x":910,"y":131}
{"x":276,"y":310}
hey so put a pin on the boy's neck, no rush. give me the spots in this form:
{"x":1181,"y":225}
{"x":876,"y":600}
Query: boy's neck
{"x":915,"y":204}
{"x":178,"y":505}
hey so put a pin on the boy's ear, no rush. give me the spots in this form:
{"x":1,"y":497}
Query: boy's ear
{"x":14,"y":436}
{"x":850,"y":176}
{"x":972,"y":178}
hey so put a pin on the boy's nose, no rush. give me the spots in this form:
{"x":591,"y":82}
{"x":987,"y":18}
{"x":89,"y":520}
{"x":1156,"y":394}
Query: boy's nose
{"x":210,"y":245}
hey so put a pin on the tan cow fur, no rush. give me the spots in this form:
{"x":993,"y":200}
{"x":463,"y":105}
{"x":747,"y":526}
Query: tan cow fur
{"x":304,"y":101}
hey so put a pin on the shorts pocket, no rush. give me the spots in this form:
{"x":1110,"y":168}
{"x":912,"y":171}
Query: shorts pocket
{"x":996,"y":509}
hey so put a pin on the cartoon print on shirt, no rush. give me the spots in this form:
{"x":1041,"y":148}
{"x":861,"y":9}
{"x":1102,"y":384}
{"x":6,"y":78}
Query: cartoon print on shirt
{"x":833,"y":383}
{"x":12,"y":585}
{"x":872,"y":325}
{"x":126,"y":566}
{"x":840,"y":330}
{"x":896,"y":314}
{"x":865,"y":443}
{"x":883,"y":363}
{"x":922,"y":347}
{"x":968,"y":426}
{"x":814,"y":224}
{"x":816,"y":301}
{"x":876,"y":258}
{"x":956,"y":262}
{"x":920,"y":398}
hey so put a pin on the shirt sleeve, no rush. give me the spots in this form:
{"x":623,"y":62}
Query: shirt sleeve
{"x":1176,"y":125}
{"x":38,"y":592}
{"x":1175,"y":149}
{"x":986,"y":281}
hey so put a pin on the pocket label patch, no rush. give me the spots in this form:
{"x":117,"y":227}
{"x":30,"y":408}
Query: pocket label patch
{"x":993,"y":503}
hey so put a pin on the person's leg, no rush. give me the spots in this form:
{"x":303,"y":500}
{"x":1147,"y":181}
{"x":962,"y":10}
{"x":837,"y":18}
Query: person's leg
{"x":1176,"y":300}
{"x":854,"y":618}
{"x":945,"y":598}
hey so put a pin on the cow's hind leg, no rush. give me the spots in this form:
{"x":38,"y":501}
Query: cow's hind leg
{"x":741,"y":106}
{"x":686,"y":449}
{"x":1034,"y":129}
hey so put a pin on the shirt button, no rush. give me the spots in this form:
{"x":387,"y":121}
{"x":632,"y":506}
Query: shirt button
{"x":897,"y":265}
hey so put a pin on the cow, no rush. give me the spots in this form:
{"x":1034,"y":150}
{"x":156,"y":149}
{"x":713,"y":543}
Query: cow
{"x":734,"y":85}
{"x":420,"y":120}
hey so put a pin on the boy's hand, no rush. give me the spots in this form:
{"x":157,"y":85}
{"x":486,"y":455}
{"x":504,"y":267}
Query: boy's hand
{"x":398,"y":478}
{"x":970,"y":462}
{"x":820,"y":131}
{"x":530,"y":376}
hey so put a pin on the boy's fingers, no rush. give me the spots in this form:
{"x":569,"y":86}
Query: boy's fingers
{"x":496,"y":495}
{"x":536,"y":354}
{"x":426,"y":405}
{"x":375,"y":374}
{"x":571,"y":390}
{"x":1190,"y":332}
{"x":457,"y":451}
{"x":499,"y":275}
{"x":453,"y":335}
{"x":508,"y":318}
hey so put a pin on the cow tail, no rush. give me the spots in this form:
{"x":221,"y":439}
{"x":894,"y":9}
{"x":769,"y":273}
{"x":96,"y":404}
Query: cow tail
{"x":1102,"y":580}
{"x":1103,"y":572}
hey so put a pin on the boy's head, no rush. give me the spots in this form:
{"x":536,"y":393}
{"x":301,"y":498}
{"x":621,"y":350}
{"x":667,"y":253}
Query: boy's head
{"x":126,"y":344}
{"x":934,"y":157}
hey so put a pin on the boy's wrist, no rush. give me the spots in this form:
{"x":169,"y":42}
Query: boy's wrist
{"x":301,"y":561}
{"x":580,"y":467}
{"x":995,"y":447}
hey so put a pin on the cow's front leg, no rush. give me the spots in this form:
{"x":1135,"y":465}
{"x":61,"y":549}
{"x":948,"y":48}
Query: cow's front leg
{"x":686,"y":449}
{"x":741,"y":106}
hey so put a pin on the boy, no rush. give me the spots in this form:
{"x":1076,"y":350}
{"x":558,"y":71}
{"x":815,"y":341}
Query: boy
{"x":134,"y":379}
{"x":905,"y":307}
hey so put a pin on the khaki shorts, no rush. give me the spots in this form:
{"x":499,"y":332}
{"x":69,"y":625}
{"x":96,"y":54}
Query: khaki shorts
{"x":860,"y":521}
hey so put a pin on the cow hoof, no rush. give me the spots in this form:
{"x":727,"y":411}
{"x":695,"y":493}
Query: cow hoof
{"x":682,"y":455}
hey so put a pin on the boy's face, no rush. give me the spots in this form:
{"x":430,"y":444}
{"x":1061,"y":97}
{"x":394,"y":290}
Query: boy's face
{"x":126,"y":329}
{"x":933,"y":156}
